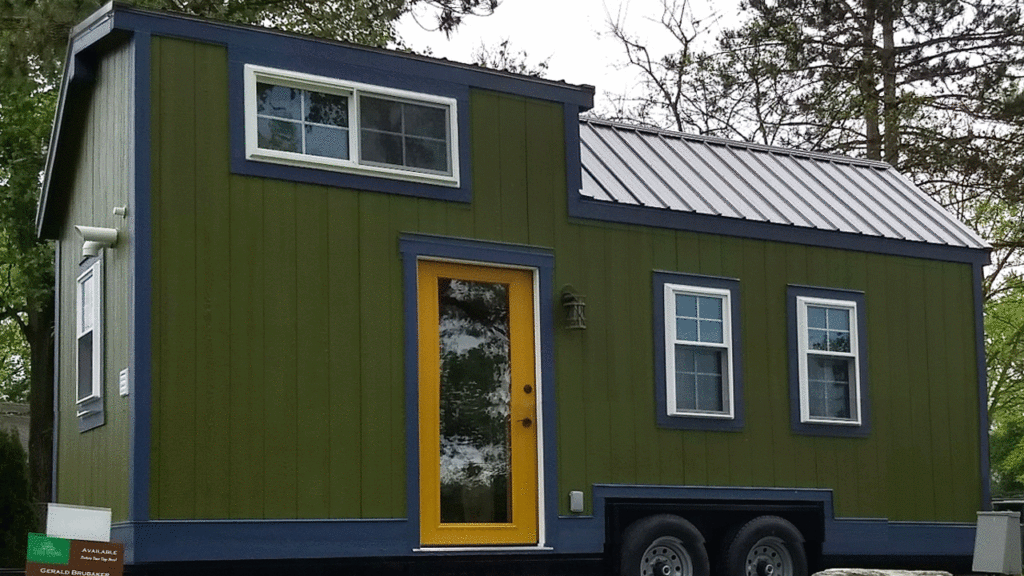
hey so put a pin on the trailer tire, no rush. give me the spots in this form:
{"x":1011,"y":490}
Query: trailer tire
{"x":766,"y":546}
{"x":663,"y":545}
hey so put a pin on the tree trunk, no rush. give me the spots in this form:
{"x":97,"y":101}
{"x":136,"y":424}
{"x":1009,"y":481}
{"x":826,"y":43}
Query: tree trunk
{"x":866,"y":82}
{"x":890,"y":110}
{"x":40,"y":434}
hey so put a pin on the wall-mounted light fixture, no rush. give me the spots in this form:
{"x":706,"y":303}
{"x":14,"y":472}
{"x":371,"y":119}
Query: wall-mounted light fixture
{"x":575,"y":309}
{"x":94,"y":239}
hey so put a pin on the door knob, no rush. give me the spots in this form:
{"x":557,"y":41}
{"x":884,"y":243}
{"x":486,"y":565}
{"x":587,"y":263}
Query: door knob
{"x":526,"y":422}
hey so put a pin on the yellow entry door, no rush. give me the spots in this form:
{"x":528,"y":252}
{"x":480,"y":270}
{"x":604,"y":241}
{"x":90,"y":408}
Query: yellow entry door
{"x":477,"y":405}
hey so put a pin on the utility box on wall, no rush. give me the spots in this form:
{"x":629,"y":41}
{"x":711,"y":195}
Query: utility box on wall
{"x":997,"y":544}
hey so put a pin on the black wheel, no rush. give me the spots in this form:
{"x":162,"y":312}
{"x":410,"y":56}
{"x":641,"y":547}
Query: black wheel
{"x":766,"y":546}
{"x":663,"y":545}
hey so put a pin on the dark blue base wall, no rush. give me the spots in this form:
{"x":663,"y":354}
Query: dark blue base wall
{"x":162,"y":541}
{"x":213,"y":540}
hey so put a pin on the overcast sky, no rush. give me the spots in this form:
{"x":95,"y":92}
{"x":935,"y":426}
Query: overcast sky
{"x":571,"y":34}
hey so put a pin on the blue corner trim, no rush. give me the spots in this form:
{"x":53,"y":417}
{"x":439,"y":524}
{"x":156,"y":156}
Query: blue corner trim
{"x":416,"y":246}
{"x":573,"y":164}
{"x":141,"y":353}
{"x":982,"y":368}
{"x":353,"y":65}
{"x":663,"y":419}
{"x":55,"y":437}
{"x":813,"y":429}
{"x":581,"y":207}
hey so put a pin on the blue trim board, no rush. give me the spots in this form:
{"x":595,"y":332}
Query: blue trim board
{"x":416,"y":246}
{"x":736,"y":423}
{"x":204,"y":540}
{"x":982,"y":368}
{"x":587,"y":208}
{"x":849,"y":537}
{"x":141,"y":352}
{"x":814,"y":429}
{"x":55,"y":436}
{"x":573,"y":164}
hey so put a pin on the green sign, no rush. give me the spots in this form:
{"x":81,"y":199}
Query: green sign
{"x":57,"y":556}
{"x":46,"y":550}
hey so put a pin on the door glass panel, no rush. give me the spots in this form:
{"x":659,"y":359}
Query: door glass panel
{"x":474,"y":408}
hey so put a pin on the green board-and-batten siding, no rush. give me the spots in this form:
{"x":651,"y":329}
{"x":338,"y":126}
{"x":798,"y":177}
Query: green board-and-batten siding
{"x":92,"y":466}
{"x":278,"y":381}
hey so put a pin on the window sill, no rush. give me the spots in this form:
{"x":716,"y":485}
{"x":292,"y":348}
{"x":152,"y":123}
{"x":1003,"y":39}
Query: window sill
{"x":351,"y":168}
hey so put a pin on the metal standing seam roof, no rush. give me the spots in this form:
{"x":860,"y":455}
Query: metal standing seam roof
{"x":637,"y":166}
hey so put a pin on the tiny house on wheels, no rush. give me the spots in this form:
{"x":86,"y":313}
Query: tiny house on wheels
{"x":321,"y":301}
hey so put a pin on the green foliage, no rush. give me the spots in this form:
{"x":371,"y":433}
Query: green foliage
{"x":18,"y":518}
{"x":1004,"y":345}
{"x":1006,"y":450}
{"x":14,"y":360}
{"x":503,"y":56}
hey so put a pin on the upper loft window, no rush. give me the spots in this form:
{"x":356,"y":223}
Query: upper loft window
{"x":318,"y":122}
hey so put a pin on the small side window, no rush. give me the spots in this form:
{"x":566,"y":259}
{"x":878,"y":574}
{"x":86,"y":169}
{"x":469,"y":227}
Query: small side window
{"x":698,"y":356}
{"x":829,"y":356}
{"x":89,"y":344}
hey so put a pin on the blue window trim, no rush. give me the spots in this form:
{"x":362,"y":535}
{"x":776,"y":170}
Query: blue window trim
{"x":416,"y":246}
{"x":689,"y":422}
{"x":823,"y":429}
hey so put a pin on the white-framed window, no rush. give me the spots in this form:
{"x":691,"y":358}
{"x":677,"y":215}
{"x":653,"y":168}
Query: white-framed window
{"x":318,"y":122}
{"x":829,"y":364}
{"x":698,"y":351}
{"x":89,"y":334}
